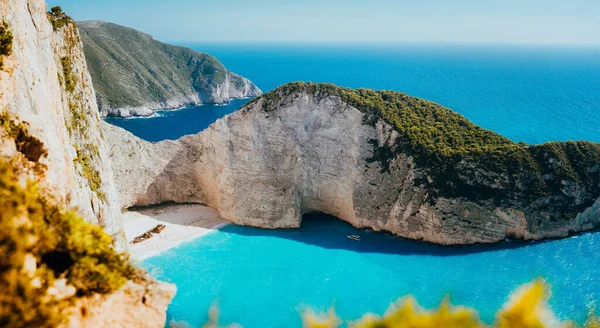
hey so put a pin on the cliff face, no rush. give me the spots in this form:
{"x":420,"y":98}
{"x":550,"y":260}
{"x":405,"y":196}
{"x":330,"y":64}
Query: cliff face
{"x":45,"y":83}
{"x":50,"y":133}
{"x":304,"y":148}
{"x":134,"y":75}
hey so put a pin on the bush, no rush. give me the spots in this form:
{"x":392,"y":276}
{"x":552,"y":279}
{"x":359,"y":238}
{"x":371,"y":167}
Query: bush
{"x":58,"y":18}
{"x":69,"y":77}
{"x":57,"y":11}
{"x":89,"y":172}
{"x":6,"y":41}
{"x":60,"y":244}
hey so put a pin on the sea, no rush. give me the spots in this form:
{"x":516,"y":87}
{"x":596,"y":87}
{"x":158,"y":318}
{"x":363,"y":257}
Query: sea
{"x":265,"y":278}
{"x":526,"y":93}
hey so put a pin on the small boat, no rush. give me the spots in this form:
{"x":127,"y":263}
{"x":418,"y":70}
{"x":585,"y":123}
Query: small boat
{"x":354,"y":237}
{"x":158,"y":229}
{"x":143,"y":237}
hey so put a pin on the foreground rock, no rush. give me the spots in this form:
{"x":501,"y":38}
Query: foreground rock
{"x":134,"y":75}
{"x":124,"y":307}
{"x":381,"y":160}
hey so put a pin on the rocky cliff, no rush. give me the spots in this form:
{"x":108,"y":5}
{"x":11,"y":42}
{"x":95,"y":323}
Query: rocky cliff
{"x":45,"y":83}
{"x":380,"y":160}
{"x":54,"y":161}
{"x":134,"y":75}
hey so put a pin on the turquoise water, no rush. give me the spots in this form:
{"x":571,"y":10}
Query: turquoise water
{"x":531,"y":94}
{"x":263,"y":278}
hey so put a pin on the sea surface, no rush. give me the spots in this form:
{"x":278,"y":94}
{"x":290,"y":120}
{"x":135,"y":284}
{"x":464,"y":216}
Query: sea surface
{"x":263,"y":278}
{"x":530,"y":94}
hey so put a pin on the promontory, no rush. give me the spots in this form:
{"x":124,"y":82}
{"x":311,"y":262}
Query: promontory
{"x":135,"y":75}
{"x":376,"y":159}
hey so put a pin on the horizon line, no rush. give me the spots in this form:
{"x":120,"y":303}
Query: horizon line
{"x":389,"y":42}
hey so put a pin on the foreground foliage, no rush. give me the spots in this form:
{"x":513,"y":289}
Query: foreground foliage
{"x":526,"y":308}
{"x":41,"y":244}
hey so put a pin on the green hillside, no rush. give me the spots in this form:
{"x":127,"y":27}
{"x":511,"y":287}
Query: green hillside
{"x":131,"y":69}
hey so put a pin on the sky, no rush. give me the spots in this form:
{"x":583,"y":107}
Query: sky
{"x":449,"y":21}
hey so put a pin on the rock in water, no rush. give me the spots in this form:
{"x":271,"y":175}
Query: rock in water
{"x":380,"y":160}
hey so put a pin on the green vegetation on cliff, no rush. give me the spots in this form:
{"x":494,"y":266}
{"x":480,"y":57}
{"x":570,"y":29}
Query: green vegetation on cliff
{"x":131,"y":69}
{"x":78,"y":121}
{"x":58,"y":18}
{"x":41,"y":243}
{"x":58,"y":245}
{"x":463,"y":159}
{"x":69,"y":79}
{"x":6,"y":41}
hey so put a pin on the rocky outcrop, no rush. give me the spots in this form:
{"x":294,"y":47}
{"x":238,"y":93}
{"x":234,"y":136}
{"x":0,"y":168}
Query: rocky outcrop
{"x":137,"y":161}
{"x":124,"y":307}
{"x":50,"y":134}
{"x":135,"y":75}
{"x":304,"y":149}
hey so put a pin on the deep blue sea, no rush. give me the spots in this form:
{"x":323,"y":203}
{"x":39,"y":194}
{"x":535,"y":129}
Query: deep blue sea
{"x":265,"y":278}
{"x":531,"y":94}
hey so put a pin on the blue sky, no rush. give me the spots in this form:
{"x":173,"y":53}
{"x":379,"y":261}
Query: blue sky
{"x":477,"y":21}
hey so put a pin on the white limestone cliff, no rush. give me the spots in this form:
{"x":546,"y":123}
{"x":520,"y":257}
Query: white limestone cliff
{"x":32,"y":92}
{"x":266,"y":168}
{"x":45,"y":86}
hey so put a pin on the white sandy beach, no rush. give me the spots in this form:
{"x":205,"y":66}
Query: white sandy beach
{"x":183,"y":223}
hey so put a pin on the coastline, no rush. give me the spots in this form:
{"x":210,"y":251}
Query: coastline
{"x":183,"y":222}
{"x":158,"y":111}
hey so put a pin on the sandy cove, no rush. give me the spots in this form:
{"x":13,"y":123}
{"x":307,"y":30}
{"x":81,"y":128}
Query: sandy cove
{"x":183,"y":223}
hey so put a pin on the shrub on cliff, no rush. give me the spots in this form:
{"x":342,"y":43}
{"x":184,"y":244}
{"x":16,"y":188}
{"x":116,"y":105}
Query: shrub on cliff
{"x":58,"y":18}
{"x":6,"y":40}
{"x":41,"y":244}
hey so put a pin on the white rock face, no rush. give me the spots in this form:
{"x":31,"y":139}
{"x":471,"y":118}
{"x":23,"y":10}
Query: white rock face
{"x":150,"y":108}
{"x":138,"y":162}
{"x":234,"y":87}
{"x":268,"y":168}
{"x":32,"y":92}
{"x":124,"y":308}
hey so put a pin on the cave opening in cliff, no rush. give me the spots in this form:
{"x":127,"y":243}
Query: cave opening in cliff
{"x":317,"y":222}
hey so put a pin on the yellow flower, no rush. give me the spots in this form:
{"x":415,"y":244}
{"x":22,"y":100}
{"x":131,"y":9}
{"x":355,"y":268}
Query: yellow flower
{"x":406,"y":313}
{"x":313,"y":320}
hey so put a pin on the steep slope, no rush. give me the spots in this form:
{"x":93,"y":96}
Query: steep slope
{"x":134,"y":74}
{"x":46,"y":85}
{"x":380,"y":160}
{"x":57,"y":187}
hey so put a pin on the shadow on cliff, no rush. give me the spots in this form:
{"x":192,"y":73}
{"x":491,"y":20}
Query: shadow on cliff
{"x":330,"y":232}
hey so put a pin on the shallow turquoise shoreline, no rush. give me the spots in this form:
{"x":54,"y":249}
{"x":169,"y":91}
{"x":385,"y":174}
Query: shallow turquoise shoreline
{"x":265,"y":278}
